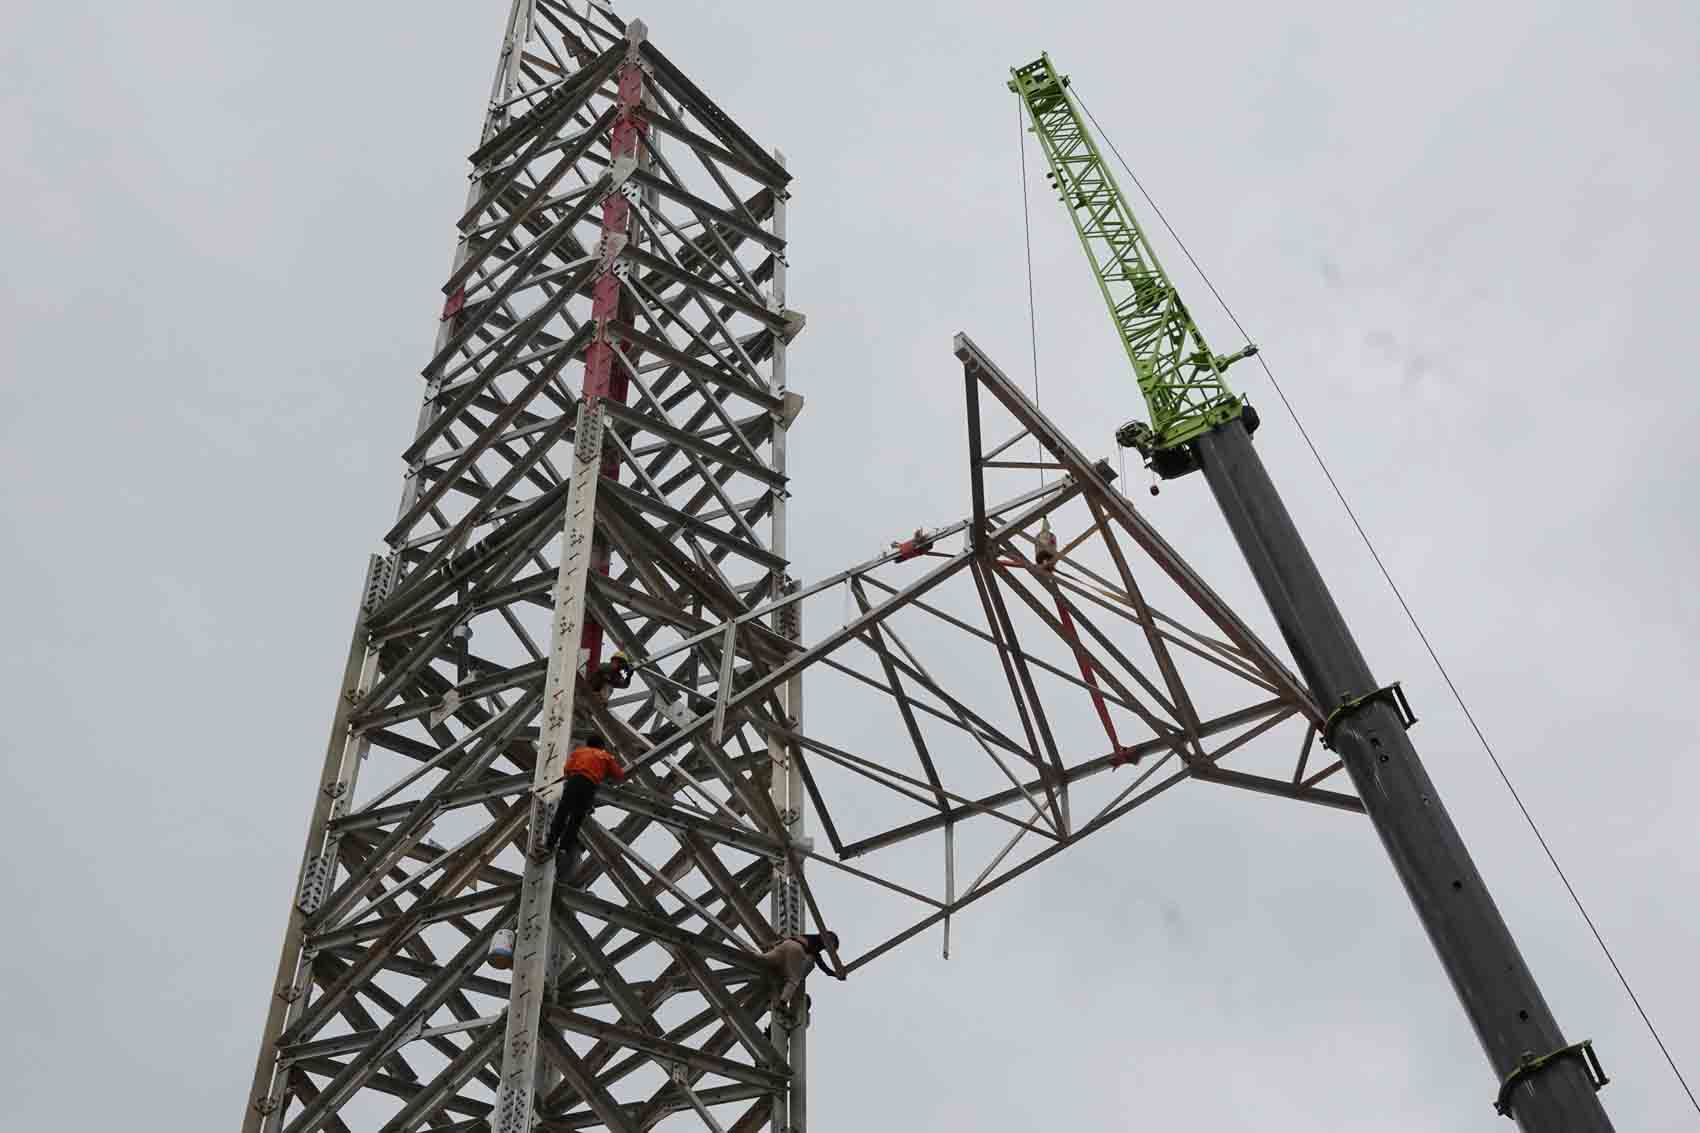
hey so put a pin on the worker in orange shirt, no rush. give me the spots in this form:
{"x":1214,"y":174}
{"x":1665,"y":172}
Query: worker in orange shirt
{"x":586,"y":767}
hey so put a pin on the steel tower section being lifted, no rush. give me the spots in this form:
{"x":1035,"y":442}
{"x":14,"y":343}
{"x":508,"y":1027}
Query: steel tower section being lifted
{"x":623,"y":230}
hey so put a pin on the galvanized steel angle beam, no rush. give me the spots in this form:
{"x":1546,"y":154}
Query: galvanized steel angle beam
{"x":731,"y":1012}
{"x":419,"y":818}
{"x":407,"y":925}
{"x":674,"y":81}
{"x":541,"y":120}
{"x":985,"y":374}
{"x":358,"y":1070}
{"x":505,"y":338}
{"x":745,"y":382}
{"x":743,"y":534}
{"x":768,"y":681}
{"x":1169,"y":729}
{"x":535,"y":197}
{"x":455,"y":412}
{"x":709,"y":215}
{"x":645,"y":502}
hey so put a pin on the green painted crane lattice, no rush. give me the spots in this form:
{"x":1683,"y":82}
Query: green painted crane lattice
{"x":1179,"y":376}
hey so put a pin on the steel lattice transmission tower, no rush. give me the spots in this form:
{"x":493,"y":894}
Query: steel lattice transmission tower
{"x":599,"y":462}
{"x":544,"y":520}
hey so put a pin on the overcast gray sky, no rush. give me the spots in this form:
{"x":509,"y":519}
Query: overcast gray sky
{"x":1464,"y":236}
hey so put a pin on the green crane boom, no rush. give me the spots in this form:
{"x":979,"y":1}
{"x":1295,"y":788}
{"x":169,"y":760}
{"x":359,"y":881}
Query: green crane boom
{"x":1548,"y":1085}
{"x":1179,"y":376}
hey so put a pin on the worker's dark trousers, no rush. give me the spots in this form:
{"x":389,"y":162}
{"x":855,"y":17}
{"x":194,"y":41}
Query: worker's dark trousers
{"x":578,"y":795}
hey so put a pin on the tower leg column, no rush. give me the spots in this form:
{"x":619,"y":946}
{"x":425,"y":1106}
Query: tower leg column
{"x":318,"y":861}
{"x":790,"y":1036}
{"x":533,"y":972}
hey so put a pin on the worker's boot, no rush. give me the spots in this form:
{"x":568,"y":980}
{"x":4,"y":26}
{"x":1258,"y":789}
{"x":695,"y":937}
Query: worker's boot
{"x":566,"y":859}
{"x":788,"y":1010}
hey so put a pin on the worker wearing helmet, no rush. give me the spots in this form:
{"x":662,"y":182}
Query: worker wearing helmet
{"x":601,"y":680}
{"x":793,"y":958}
{"x":586,"y":768}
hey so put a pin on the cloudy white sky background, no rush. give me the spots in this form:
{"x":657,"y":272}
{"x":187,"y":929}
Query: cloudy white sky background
{"x":1464,"y":236}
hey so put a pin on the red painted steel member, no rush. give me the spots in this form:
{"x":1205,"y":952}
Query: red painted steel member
{"x":604,"y":376}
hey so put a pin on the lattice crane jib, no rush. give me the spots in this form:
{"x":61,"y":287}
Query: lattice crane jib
{"x":1179,"y":376}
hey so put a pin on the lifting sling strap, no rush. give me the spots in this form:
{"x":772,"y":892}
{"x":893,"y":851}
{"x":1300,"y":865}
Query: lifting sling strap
{"x":1091,"y":677}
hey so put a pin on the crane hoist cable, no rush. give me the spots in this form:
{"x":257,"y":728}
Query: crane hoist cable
{"x":1032,"y":306}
